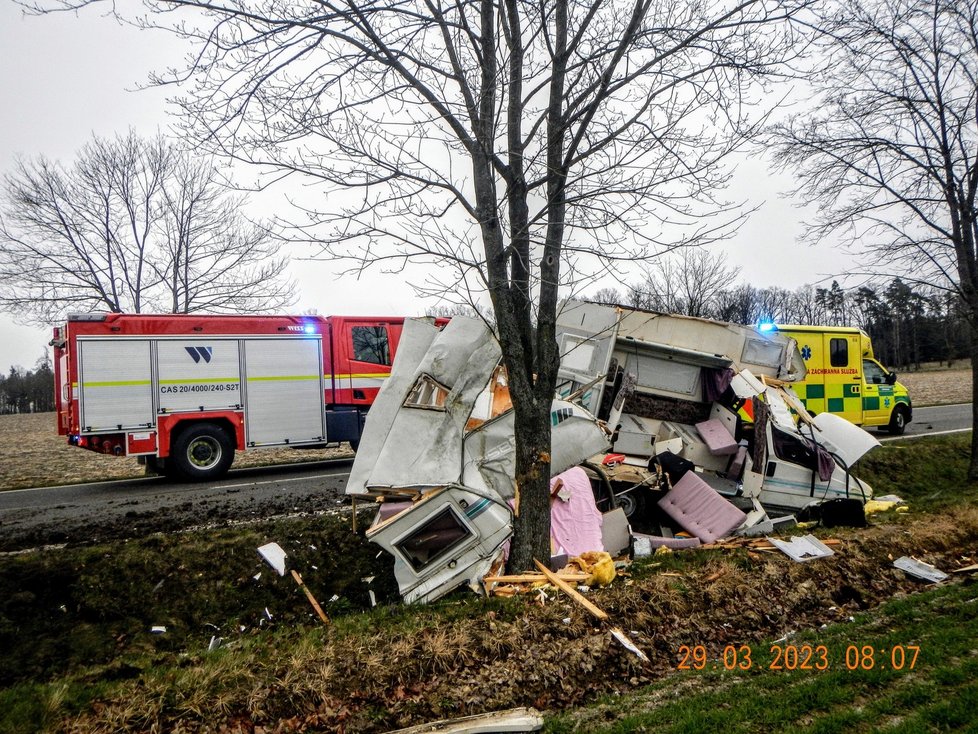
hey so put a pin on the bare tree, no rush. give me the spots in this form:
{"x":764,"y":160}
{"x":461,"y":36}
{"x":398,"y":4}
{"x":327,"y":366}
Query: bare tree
{"x":890,"y":148}
{"x":134,"y":225}
{"x":687,"y":283}
{"x":525,"y":145}
{"x":739,"y":304}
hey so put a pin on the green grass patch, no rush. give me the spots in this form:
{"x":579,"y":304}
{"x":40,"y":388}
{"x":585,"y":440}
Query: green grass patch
{"x":929,"y":473}
{"x":871,"y":680}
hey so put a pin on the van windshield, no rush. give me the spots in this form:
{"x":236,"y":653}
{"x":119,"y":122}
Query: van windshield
{"x":875,"y":375}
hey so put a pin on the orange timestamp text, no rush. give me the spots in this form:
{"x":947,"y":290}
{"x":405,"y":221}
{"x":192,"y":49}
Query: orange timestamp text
{"x":799,"y":657}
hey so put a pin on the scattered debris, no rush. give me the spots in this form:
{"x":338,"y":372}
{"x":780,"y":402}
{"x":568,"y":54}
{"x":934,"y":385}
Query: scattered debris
{"x":511,"y":720}
{"x":881,"y":504}
{"x":919,"y":569}
{"x":802,"y":548}
{"x":274,"y":555}
{"x":215,"y":643}
{"x":973,"y":568}
{"x":628,"y":644}
{"x":158,"y":629}
{"x":310,"y":597}
{"x":708,"y":396}
{"x":598,"y":565}
{"x":454,"y":459}
{"x":571,"y":591}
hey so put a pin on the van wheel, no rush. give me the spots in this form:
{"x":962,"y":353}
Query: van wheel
{"x":898,"y":422}
{"x":201,"y":452}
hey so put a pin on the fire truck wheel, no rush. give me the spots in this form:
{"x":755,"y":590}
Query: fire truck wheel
{"x":201,"y":452}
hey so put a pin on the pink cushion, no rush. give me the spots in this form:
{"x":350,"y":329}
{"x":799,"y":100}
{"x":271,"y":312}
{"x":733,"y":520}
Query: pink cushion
{"x":699,"y":510}
{"x":716,"y":437}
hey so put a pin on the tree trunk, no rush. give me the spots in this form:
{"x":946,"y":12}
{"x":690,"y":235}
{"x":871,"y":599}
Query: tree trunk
{"x":531,"y":538}
{"x":973,"y":349}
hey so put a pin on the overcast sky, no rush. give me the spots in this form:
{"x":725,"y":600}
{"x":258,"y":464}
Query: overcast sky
{"x":68,"y":76}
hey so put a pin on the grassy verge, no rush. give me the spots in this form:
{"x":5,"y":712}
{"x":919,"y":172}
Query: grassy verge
{"x":78,"y":653}
{"x":909,"y":666}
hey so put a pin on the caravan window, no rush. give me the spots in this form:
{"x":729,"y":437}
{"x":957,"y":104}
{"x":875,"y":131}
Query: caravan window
{"x":839,"y":352}
{"x":433,"y":539}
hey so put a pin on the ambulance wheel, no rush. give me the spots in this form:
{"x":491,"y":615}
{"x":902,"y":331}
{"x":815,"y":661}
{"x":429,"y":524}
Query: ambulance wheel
{"x":201,"y":452}
{"x":898,"y":422}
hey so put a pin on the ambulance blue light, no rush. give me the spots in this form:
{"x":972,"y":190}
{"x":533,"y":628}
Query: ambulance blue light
{"x":309,"y":329}
{"x":766,"y":326}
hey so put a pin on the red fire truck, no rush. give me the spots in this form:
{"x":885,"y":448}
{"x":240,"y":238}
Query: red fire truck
{"x":185,"y":392}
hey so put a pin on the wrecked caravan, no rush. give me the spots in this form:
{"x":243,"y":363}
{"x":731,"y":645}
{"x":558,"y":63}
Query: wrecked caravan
{"x":440,"y":436}
{"x":689,"y":394}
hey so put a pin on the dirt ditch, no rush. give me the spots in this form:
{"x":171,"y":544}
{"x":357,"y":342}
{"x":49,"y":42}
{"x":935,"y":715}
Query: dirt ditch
{"x":397,"y":666}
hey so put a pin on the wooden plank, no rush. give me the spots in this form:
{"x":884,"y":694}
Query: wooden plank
{"x":310,"y":597}
{"x":570,"y":591}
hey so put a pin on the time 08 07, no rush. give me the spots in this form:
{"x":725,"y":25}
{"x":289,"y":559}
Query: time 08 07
{"x":800,"y":657}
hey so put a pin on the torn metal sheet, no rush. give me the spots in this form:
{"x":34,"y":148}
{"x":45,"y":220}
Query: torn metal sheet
{"x":847,"y":441}
{"x":489,"y":451}
{"x":443,"y":428}
{"x":919,"y":569}
{"x":421,"y":445}
{"x":496,"y":722}
{"x":447,"y":539}
{"x":416,"y":338}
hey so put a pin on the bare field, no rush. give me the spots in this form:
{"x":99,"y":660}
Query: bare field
{"x":32,"y":454}
{"x":938,"y":387}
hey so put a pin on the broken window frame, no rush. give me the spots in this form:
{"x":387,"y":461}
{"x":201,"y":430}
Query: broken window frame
{"x":418,"y":567}
{"x":494,"y":400}
{"x":427,"y":394}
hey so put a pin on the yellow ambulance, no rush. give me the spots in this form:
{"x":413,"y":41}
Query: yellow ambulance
{"x":844,"y":378}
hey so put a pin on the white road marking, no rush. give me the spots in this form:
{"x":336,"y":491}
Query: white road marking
{"x":925,"y":435}
{"x":282,"y":481}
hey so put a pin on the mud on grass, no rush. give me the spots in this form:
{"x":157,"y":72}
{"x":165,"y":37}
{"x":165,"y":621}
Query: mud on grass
{"x":77,"y":622}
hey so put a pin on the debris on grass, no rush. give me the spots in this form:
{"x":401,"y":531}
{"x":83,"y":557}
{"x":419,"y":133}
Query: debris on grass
{"x":274,"y":555}
{"x":802,"y":548}
{"x":628,"y":644}
{"x":512,"y":720}
{"x":919,"y":569}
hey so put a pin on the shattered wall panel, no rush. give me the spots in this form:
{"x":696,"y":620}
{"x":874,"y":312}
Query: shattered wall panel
{"x":416,"y":338}
{"x":422,"y":447}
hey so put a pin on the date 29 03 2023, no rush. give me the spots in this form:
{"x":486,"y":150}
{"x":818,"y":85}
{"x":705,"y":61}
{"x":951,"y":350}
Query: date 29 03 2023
{"x":799,"y":657}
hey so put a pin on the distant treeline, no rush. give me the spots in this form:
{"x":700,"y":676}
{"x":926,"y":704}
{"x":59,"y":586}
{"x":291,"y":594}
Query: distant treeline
{"x":909,"y":324}
{"x":27,"y":391}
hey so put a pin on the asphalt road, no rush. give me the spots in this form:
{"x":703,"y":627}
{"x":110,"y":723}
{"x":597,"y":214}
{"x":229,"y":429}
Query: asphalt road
{"x":937,"y":420}
{"x":136,"y":507}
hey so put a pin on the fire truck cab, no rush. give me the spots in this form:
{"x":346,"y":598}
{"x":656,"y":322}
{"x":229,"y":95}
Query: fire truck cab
{"x":184,"y":392}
